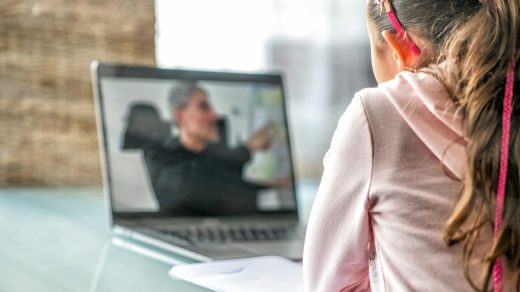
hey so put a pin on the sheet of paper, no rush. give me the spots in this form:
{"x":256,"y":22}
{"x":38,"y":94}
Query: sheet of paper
{"x":267,"y":273}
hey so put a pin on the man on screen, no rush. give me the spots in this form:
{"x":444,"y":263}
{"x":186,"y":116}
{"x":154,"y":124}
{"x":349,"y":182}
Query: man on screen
{"x":194,"y":174}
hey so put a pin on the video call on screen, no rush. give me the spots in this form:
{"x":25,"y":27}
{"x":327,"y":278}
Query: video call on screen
{"x":196,"y":147}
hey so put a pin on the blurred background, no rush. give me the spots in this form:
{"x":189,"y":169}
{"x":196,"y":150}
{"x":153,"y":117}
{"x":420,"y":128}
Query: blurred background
{"x":47,"y":121}
{"x":53,"y":219}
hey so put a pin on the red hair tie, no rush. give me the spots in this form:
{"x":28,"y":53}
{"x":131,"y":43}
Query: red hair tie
{"x":397,"y":26}
{"x":502,"y":177}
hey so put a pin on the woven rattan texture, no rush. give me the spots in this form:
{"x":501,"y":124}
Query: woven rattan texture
{"x":47,"y":123}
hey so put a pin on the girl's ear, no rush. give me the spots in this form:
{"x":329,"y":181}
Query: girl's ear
{"x":403,"y":55}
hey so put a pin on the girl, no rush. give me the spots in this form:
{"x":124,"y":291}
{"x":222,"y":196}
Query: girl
{"x":421,"y":185}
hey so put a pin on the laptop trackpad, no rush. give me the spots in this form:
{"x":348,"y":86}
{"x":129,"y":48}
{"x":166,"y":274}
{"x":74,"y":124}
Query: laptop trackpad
{"x":292,"y":249}
{"x":222,"y":251}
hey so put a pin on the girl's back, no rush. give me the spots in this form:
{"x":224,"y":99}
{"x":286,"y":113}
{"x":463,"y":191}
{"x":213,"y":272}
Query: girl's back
{"x":407,"y":198}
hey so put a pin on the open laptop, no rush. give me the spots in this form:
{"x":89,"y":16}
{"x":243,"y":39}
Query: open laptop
{"x":198,"y":163}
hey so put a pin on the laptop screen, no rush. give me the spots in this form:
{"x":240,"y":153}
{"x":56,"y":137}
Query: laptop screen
{"x":190,"y":143}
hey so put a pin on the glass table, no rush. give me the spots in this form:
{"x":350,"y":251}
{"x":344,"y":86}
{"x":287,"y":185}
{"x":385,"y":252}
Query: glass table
{"x":60,"y":240}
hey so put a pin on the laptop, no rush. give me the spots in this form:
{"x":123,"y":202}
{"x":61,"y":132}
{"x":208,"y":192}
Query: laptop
{"x":198,"y":163}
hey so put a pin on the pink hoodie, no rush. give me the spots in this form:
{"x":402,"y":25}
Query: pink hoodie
{"x":388,"y":187}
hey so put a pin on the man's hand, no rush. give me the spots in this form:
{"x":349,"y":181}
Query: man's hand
{"x":261,"y":139}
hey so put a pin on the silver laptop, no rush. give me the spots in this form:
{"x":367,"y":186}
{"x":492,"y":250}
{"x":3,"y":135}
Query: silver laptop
{"x":198,"y":163}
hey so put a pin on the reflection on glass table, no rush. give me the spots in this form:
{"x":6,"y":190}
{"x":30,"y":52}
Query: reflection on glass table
{"x":128,"y":266}
{"x":60,"y":240}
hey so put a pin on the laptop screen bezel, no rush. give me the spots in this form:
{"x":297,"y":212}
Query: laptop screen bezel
{"x":101,"y":70}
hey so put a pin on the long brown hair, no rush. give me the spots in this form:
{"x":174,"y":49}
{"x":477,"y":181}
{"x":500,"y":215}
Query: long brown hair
{"x":476,"y":41}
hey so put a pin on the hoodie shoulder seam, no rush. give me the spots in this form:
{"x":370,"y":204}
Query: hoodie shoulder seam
{"x":361,"y":98}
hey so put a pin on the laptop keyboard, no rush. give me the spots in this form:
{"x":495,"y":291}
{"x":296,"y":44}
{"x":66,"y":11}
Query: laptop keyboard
{"x":230,"y":234}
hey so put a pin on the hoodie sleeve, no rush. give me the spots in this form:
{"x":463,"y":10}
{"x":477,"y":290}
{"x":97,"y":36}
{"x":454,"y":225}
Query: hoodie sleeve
{"x":336,"y":245}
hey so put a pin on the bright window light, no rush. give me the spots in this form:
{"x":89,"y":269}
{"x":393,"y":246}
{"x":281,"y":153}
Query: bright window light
{"x":208,"y":34}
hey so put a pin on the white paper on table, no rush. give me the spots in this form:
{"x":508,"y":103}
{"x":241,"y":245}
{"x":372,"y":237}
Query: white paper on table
{"x":267,"y":273}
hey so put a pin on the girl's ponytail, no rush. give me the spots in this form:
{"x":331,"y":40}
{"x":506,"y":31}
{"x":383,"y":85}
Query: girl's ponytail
{"x":482,"y":54}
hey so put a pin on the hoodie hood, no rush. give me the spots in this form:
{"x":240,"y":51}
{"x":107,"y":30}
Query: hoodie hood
{"x":425,"y":105}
